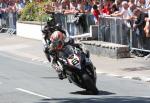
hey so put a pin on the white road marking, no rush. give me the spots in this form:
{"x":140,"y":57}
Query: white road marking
{"x":32,"y":93}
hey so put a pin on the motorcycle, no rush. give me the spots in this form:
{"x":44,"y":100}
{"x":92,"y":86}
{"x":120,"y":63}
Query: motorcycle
{"x":78,"y":68}
{"x":72,"y":61}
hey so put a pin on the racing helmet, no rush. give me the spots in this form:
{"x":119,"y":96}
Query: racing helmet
{"x":51,"y":21}
{"x":57,"y":40}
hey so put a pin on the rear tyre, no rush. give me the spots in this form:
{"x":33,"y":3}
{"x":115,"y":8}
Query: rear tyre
{"x":90,"y":85}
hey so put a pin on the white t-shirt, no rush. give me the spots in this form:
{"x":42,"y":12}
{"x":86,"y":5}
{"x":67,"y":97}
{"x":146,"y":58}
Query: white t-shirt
{"x":126,"y":13}
{"x":148,"y":13}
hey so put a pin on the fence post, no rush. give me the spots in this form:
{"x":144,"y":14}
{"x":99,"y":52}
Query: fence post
{"x":130,"y":44}
{"x":115,"y":30}
{"x":121,"y":20}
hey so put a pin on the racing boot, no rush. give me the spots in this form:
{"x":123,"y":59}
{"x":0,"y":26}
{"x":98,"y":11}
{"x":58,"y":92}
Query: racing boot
{"x":61,"y":74}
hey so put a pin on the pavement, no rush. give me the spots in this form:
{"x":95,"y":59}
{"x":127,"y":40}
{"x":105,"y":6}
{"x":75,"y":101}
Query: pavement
{"x":136,"y":68}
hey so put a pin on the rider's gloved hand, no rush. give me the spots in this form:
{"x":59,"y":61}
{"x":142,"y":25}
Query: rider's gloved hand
{"x":71,"y":41}
{"x":46,"y":49}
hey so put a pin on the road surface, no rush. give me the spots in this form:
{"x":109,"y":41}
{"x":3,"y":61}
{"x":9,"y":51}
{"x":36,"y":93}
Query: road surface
{"x":25,"y":81}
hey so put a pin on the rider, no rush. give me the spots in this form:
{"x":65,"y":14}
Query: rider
{"x":48,"y":29}
{"x":51,"y":28}
{"x":54,"y":38}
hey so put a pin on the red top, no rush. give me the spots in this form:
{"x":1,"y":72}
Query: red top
{"x":106,"y":10}
{"x":96,"y":13}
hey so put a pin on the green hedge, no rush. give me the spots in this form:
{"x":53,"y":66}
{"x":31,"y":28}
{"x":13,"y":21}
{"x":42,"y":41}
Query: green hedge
{"x":34,"y":12}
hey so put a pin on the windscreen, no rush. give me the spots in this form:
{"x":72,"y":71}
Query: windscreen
{"x":68,"y":51}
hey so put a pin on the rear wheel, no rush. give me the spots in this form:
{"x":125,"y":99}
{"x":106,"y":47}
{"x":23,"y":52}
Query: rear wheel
{"x":92,"y":73}
{"x":89,"y":84}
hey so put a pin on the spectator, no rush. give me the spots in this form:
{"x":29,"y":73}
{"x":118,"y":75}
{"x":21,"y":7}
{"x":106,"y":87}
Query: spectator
{"x":136,"y":2}
{"x":118,"y":5}
{"x":113,"y":8}
{"x":106,"y":8}
{"x":96,"y":13}
{"x":139,"y":27}
{"x":144,"y":5}
{"x":87,"y":7}
{"x":58,"y":5}
{"x":125,"y":13}
{"x":65,"y":4}
{"x":80,"y":6}
{"x":4,"y":15}
{"x":10,"y":12}
{"x":132,"y":7}
{"x":147,"y":27}
{"x":73,"y":6}
{"x":20,"y":4}
{"x":48,"y":8}
{"x":131,"y":2}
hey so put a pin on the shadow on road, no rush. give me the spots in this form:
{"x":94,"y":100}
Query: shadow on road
{"x":84,"y":92}
{"x":110,"y":99}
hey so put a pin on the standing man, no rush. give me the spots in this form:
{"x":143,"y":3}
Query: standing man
{"x":139,"y":28}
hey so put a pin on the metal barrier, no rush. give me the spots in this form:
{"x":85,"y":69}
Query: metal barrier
{"x":139,"y":42}
{"x":113,"y":29}
{"x":119,"y":31}
{"x":69,"y":23}
{"x":8,"y":23}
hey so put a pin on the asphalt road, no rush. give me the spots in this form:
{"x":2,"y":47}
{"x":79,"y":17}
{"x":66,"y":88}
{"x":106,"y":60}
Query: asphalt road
{"x":26,"y":81}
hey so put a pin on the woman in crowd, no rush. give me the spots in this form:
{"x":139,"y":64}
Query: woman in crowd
{"x":96,"y":13}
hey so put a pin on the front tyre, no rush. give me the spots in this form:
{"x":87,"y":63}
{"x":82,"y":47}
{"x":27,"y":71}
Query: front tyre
{"x":90,"y":85}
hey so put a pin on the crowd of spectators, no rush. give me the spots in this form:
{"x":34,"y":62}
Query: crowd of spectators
{"x":7,"y":6}
{"x":8,"y":12}
{"x":120,"y":8}
{"x":126,"y":9}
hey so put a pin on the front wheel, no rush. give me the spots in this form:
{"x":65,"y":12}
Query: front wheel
{"x":89,"y":84}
